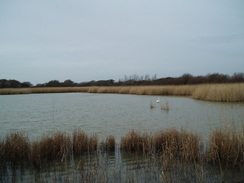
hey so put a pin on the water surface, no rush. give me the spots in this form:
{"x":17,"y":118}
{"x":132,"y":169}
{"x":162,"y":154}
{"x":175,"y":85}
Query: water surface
{"x":111,"y":114}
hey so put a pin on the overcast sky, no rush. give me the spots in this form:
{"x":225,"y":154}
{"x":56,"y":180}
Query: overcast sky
{"x":85,"y":40}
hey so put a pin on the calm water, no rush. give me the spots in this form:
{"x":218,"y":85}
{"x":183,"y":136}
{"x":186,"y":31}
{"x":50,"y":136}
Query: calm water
{"x":111,"y":114}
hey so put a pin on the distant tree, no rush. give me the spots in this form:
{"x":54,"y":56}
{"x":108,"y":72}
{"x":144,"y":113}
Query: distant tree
{"x":41,"y":85}
{"x":217,"y":78}
{"x":238,"y":77}
{"x":14,"y":84}
{"x":154,"y":77}
{"x":26,"y":84}
{"x":186,"y":78}
{"x":68,"y":83}
{"x":147,"y":77}
{"x":53,"y":83}
{"x":4,"y":83}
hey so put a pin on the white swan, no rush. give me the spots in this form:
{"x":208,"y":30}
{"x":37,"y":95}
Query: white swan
{"x":158,"y":100}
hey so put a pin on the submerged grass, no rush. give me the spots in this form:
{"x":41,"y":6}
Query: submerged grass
{"x":225,"y":147}
{"x":110,"y":143}
{"x":15,"y":148}
{"x":211,"y":92}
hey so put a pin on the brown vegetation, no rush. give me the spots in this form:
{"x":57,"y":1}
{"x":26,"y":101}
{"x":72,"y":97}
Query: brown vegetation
{"x":210,"y":92}
{"x":80,"y":142}
{"x":15,"y":147}
{"x":225,"y":147}
{"x":110,"y":143}
{"x":220,"y":92}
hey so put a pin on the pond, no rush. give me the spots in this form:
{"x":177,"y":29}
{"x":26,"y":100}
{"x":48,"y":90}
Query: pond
{"x":111,"y":114}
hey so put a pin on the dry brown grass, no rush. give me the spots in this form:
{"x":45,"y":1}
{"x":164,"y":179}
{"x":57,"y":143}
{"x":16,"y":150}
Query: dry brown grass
{"x":56,"y":147}
{"x":171,"y":142}
{"x":93,"y":144}
{"x":9,"y":91}
{"x":16,"y":147}
{"x":110,"y":143}
{"x":167,"y":140}
{"x":226,"y":147}
{"x":220,"y":92}
{"x":211,"y":92}
{"x":80,"y":142}
{"x":132,"y":142}
{"x":189,"y":146}
{"x":135,"y":142}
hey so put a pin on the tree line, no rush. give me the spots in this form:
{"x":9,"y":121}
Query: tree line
{"x":133,"y":80}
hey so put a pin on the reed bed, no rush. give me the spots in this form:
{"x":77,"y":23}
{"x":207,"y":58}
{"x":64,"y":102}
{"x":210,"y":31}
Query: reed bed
{"x":225,"y":147}
{"x":135,"y":142}
{"x":209,"y":92}
{"x":110,"y":143}
{"x":220,"y":92}
{"x":80,"y":142}
{"x":15,"y":147}
{"x":179,"y":144}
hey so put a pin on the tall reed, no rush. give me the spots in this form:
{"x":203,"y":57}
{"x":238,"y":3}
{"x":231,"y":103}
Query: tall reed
{"x":110,"y":143}
{"x":226,"y":147}
{"x":80,"y":142}
{"x":132,"y":142}
{"x":93,"y":143}
{"x":220,"y":92}
{"x":189,"y":146}
{"x":171,"y":142}
{"x":211,"y":92}
{"x":167,"y":140}
{"x":16,"y":147}
{"x":55,"y":147}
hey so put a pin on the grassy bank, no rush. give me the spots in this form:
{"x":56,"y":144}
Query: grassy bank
{"x":225,"y":147}
{"x":209,"y":92}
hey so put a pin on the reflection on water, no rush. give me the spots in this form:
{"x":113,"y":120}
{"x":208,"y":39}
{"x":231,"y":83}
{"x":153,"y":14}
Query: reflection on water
{"x":119,"y":167}
{"x":111,"y":114}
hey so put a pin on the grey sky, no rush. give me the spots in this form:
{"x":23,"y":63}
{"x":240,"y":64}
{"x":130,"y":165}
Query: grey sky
{"x":86,"y":40}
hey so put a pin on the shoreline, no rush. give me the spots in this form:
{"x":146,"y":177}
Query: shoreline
{"x":207,"y":92}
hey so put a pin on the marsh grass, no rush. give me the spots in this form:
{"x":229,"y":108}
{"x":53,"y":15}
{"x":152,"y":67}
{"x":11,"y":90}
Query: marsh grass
{"x":109,"y":143}
{"x":55,"y":147}
{"x":220,"y":92}
{"x":226,"y":148}
{"x":152,"y":105}
{"x":16,"y":147}
{"x":132,"y":142}
{"x":93,"y":144}
{"x":166,"y":140}
{"x":165,"y":106}
{"x":190,"y":146}
{"x":80,"y":142}
{"x":210,"y":92}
